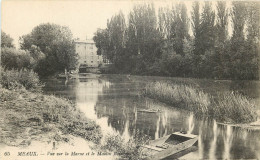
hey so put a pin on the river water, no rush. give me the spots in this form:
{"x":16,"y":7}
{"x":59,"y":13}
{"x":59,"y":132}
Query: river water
{"x":113,"y":100}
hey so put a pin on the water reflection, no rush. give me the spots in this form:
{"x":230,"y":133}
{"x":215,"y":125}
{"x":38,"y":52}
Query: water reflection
{"x":191,"y":124}
{"x":114,"y":103}
{"x":213,"y":145}
{"x":227,"y":142}
{"x":200,"y":143}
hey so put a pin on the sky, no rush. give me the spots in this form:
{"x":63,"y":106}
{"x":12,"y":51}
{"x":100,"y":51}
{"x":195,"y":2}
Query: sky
{"x":19,"y":17}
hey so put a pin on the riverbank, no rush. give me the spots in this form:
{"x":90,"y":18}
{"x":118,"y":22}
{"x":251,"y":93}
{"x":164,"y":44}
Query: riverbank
{"x":228,"y":107}
{"x":27,"y":116}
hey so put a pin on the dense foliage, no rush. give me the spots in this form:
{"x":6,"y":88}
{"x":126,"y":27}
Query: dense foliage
{"x":12,"y":58}
{"x":14,"y":79}
{"x":56,"y":43}
{"x":6,"y":40}
{"x":162,"y":44}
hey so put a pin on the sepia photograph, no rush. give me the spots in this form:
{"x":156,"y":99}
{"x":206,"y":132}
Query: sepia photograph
{"x":129,"y":80}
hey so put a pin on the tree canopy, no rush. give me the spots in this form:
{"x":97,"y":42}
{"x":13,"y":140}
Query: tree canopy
{"x":56,"y":43}
{"x":161,"y":44}
{"x":6,"y":40}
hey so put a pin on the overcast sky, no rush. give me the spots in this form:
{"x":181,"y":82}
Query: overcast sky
{"x":83,"y":17}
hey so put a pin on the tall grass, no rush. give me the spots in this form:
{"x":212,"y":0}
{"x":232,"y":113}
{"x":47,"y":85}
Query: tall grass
{"x":234,"y":107}
{"x":229,"y":107}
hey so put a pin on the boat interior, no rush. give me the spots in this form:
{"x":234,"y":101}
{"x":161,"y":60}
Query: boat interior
{"x":173,"y":140}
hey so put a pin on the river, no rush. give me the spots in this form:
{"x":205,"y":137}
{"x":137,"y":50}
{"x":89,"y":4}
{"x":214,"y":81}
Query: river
{"x":113,"y":100}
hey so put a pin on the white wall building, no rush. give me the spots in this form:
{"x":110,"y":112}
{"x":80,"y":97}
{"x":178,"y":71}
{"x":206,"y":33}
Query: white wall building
{"x":87,"y":52}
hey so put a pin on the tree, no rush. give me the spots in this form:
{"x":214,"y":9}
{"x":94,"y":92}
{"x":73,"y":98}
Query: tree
{"x":204,"y":34}
{"x":221,"y":69}
{"x":165,"y":21}
{"x":6,"y":40}
{"x":179,"y":28}
{"x":252,"y":39}
{"x":116,"y":29}
{"x":238,"y":58}
{"x":195,"y":21}
{"x":56,"y":43}
{"x":144,"y":39}
{"x":111,"y":42}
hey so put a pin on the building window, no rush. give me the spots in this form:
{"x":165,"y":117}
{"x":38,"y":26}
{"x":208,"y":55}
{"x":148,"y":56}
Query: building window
{"x":85,"y":61}
{"x":91,"y":47}
{"x":91,"y":61}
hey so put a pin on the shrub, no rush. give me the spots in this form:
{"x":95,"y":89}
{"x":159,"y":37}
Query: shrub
{"x":17,"y":59}
{"x":14,"y":79}
{"x":131,"y":149}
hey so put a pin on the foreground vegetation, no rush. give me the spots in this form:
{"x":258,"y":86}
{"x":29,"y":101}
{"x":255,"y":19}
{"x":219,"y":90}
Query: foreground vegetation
{"x":131,"y":149}
{"x":26,"y":114}
{"x":228,"y":107}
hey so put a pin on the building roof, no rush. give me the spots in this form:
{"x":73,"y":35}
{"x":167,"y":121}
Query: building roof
{"x":85,"y":41}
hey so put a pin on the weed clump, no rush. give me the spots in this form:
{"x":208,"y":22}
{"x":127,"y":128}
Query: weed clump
{"x":131,"y":149}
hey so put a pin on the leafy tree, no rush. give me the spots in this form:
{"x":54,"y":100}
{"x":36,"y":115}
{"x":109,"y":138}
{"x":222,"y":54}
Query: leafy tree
{"x":56,"y":43}
{"x":102,"y":41}
{"x":6,"y":40}
{"x":179,"y":28}
{"x":165,"y":21}
{"x":221,"y":69}
{"x":195,"y":21}
{"x":238,"y":58}
{"x":116,"y":28}
{"x":252,"y":39}
{"x":144,"y":39}
{"x":166,"y":48}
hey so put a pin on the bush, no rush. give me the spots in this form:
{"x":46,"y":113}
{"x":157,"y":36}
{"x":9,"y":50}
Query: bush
{"x":14,"y":79}
{"x":132,"y":149}
{"x":17,"y":59}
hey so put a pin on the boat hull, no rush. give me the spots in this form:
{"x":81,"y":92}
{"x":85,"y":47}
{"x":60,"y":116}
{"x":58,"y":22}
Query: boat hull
{"x":160,"y":153}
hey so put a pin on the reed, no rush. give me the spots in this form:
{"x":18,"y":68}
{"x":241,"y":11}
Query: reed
{"x":229,"y":107}
{"x":234,"y":107}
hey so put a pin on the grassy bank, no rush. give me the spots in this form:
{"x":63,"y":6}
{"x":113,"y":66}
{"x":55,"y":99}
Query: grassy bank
{"x":26,"y":114}
{"x":228,"y":107}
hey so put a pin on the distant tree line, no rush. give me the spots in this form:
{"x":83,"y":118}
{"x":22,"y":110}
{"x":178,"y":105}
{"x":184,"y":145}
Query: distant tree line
{"x":161,"y":44}
{"x":48,"y":49}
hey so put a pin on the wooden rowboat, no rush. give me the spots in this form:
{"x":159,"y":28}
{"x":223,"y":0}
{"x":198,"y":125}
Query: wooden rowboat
{"x":169,"y":145}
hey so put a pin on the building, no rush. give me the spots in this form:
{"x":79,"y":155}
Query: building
{"x":87,"y":52}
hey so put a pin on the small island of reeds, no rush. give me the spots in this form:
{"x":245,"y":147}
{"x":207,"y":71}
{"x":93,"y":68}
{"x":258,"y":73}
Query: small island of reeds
{"x":229,"y":107}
